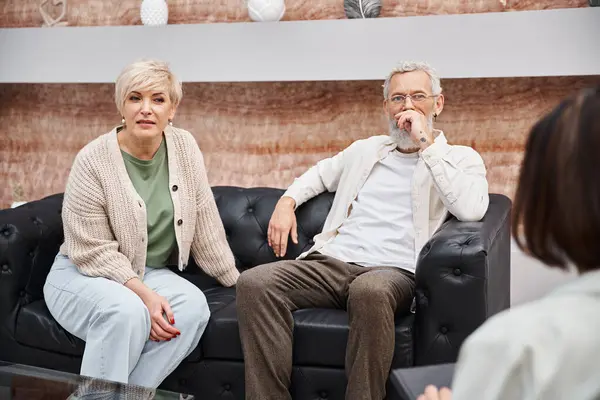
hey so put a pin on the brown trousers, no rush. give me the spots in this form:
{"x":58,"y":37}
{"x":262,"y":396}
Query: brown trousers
{"x":268,"y":294}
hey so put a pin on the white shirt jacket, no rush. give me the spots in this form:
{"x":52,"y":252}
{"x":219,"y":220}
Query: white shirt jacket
{"x":447,"y":179}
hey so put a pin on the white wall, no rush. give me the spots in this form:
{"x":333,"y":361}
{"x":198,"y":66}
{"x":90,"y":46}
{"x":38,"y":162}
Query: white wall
{"x":559,"y":42}
{"x":531,"y":279}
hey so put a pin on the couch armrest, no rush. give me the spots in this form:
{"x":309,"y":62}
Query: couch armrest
{"x":462,"y":278}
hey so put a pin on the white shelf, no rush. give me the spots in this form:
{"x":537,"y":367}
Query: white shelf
{"x":527,"y":43}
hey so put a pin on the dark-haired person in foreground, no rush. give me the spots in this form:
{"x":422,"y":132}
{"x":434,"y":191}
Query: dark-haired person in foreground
{"x":550,"y":348}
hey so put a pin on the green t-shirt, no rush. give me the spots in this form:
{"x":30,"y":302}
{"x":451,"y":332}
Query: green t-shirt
{"x":151,"y":180}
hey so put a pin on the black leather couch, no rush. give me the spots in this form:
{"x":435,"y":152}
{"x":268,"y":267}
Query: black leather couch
{"x":462,"y":278}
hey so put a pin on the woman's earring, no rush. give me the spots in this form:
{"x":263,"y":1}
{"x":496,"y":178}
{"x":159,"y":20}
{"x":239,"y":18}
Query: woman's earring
{"x":435,"y":117}
{"x":122,"y":121}
{"x":171,"y":122}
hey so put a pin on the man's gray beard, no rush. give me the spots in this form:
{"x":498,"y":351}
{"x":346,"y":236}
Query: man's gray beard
{"x":402,"y":136}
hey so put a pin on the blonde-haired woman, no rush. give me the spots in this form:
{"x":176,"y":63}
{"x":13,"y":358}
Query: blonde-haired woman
{"x":138,"y":200}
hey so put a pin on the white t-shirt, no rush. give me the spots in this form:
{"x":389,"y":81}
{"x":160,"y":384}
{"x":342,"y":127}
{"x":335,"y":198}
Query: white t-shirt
{"x":379,"y":232}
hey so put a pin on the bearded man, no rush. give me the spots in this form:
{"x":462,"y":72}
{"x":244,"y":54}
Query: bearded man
{"x":392,"y":193}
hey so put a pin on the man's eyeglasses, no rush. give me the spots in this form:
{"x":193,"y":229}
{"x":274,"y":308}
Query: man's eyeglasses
{"x":415,"y":98}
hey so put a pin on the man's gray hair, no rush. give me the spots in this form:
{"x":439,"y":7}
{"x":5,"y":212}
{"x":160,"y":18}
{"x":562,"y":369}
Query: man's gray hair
{"x":408,"y":66}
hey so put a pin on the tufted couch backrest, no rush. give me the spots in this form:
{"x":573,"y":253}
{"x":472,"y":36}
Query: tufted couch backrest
{"x":246,"y":213}
{"x":31,"y":235}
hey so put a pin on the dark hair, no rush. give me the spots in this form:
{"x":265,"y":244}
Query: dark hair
{"x":556,"y":213}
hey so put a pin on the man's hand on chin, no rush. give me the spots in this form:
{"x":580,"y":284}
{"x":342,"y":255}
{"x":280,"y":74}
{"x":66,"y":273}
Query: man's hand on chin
{"x":416,"y":123}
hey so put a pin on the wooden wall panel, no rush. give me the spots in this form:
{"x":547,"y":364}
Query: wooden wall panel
{"x":25,"y":13}
{"x":265,"y":134}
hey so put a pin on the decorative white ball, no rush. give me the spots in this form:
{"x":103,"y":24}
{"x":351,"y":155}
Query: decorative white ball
{"x":266,"y":10}
{"x":154,"y":12}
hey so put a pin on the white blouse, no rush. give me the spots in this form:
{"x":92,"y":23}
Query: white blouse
{"x":547,"y":349}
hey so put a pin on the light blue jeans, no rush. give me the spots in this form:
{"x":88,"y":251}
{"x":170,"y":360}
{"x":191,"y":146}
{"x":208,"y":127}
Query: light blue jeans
{"x":115,"y":324}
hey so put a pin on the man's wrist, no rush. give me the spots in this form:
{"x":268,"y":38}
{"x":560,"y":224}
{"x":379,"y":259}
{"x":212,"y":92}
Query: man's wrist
{"x":424,"y":140}
{"x":288,"y":201}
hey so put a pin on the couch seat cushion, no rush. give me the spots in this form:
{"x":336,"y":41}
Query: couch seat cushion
{"x":36,"y":328}
{"x":320,"y":337}
{"x":217,"y":299}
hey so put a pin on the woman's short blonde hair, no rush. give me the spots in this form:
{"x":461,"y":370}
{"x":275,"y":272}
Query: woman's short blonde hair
{"x":147,"y":75}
